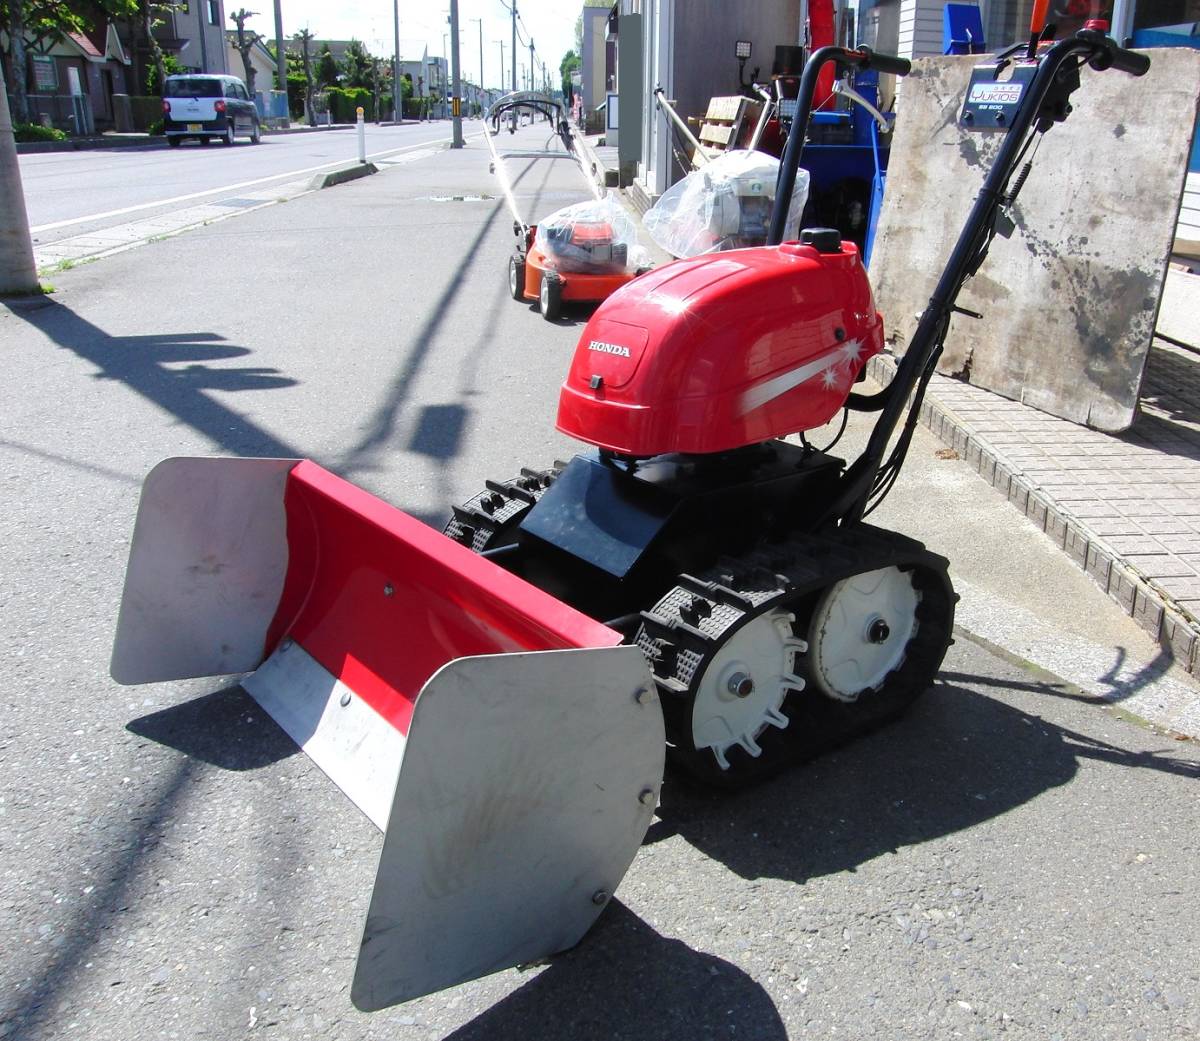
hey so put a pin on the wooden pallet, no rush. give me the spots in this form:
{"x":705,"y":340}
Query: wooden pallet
{"x":729,"y":122}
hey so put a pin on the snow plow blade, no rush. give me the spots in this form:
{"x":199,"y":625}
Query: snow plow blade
{"x":508,"y":746}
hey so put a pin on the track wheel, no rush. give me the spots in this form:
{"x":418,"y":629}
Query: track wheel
{"x":516,"y":277}
{"x":489,"y":520}
{"x":860,"y":632}
{"x":550,"y":296}
{"x":778,"y":656}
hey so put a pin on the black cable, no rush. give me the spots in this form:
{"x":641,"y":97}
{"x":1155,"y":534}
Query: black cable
{"x":837,"y":437}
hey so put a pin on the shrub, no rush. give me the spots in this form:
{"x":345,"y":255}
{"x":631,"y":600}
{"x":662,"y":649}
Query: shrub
{"x":37,"y":132}
{"x":155,"y":129}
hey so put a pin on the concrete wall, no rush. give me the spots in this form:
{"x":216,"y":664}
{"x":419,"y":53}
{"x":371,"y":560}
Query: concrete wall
{"x":704,"y":38}
{"x":1069,"y":300}
{"x":592,"y":82}
{"x":189,"y":26}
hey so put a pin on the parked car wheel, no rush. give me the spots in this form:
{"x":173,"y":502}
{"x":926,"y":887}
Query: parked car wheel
{"x":228,"y":139}
{"x":255,"y":133}
{"x":174,"y":142}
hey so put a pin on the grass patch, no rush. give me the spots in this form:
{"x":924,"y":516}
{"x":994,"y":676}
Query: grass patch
{"x":43,"y":289}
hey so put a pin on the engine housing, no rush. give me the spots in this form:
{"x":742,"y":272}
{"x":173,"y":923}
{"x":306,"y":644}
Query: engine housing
{"x":722,"y":351}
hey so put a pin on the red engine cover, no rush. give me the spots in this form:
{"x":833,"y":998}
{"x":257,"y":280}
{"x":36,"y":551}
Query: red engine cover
{"x":720,"y":351}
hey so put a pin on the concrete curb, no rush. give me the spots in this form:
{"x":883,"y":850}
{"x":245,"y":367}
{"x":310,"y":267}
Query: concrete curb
{"x":87,"y":144}
{"x":83,"y":144}
{"x":349,"y":173}
{"x":1175,"y":629}
{"x":591,"y":162}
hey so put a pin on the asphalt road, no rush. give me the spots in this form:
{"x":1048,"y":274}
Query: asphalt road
{"x":70,"y":192}
{"x":1014,"y":859}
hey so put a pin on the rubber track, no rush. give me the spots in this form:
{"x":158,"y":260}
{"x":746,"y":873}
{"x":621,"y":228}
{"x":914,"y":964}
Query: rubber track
{"x":683,"y":631}
{"x":485,"y":520}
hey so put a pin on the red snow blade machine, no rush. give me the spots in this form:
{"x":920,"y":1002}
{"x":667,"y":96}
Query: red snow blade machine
{"x":499,"y":698}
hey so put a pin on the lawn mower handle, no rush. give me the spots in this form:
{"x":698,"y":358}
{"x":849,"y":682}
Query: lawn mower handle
{"x":862,"y":58}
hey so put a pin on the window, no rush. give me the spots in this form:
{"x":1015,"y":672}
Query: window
{"x":1149,"y":14}
{"x":214,"y":12}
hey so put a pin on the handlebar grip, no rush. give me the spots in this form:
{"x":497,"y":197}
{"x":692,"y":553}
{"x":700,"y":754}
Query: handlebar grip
{"x":1107,"y":55}
{"x":885,"y":62}
{"x":1128,"y":61}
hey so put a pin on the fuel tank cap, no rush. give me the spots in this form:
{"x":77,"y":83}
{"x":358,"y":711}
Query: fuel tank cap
{"x":823,"y":240}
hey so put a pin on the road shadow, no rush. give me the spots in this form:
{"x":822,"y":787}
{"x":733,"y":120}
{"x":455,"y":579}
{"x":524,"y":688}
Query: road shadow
{"x":173,"y":371}
{"x":226,"y":729}
{"x":958,"y":759}
{"x":626,"y":981}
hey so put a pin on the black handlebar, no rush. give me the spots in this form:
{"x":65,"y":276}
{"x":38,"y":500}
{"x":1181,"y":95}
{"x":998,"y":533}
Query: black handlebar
{"x":862,"y":58}
{"x":1107,"y":55}
{"x":884,"y":62}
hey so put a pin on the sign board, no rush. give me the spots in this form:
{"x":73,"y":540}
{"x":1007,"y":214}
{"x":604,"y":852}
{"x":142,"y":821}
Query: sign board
{"x":1069,"y":300}
{"x":456,"y":107}
{"x":610,"y":111}
{"x":45,"y":72}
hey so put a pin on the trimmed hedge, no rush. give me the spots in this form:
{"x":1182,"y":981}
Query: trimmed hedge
{"x":36,"y":132}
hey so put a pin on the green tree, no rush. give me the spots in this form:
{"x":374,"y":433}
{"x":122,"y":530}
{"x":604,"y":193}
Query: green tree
{"x":356,"y":66}
{"x":571,"y":62}
{"x":327,"y":69}
{"x":305,"y":39}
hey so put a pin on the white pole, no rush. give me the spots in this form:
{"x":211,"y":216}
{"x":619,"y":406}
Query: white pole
{"x":362,"y":136}
{"x":18,"y":273}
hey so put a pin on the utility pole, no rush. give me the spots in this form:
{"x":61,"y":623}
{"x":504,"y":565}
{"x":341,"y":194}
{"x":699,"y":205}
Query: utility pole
{"x":18,"y":273}
{"x":203,"y":46}
{"x":481,"y":79}
{"x":397,"y":98}
{"x":501,"y":80}
{"x":514,"y":46}
{"x":456,"y":100}
{"x":532,"y":85}
{"x":281,"y":60}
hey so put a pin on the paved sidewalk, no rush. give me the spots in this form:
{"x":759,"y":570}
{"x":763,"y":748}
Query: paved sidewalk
{"x":1125,"y":508}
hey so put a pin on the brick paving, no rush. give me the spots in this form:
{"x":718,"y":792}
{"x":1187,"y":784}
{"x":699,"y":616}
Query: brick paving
{"x":1124,"y":507}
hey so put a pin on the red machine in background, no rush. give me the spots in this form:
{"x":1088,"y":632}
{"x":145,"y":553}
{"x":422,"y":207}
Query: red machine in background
{"x":581,"y":254}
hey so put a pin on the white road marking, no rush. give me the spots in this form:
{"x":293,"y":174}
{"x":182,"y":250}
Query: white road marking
{"x":225,"y":188}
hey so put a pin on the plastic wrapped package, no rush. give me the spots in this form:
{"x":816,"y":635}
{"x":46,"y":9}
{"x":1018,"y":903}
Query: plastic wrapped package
{"x":726,"y":204}
{"x":595,"y":238}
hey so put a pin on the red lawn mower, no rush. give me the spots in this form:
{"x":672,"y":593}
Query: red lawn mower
{"x":581,"y":254}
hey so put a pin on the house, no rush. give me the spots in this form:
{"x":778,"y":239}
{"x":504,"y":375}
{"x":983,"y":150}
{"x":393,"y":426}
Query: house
{"x":262,"y":61}
{"x":195,"y":31}
{"x":72,"y":80}
{"x":597,"y":73}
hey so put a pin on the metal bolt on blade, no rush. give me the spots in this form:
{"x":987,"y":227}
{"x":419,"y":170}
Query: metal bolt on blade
{"x":599,"y":896}
{"x":389,"y":589}
{"x":345,"y":700}
{"x":643,"y":695}
{"x":646,"y":796}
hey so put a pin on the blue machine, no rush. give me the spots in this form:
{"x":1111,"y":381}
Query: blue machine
{"x":962,"y":29}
